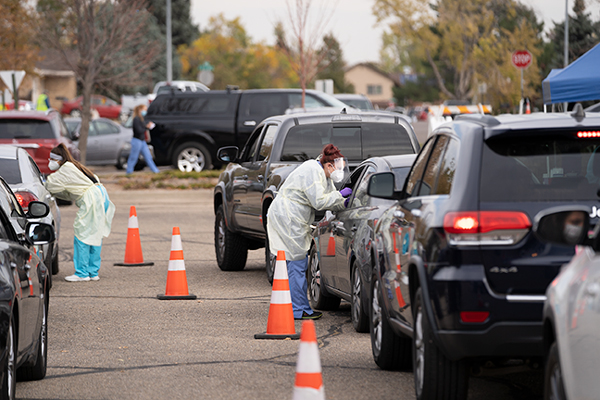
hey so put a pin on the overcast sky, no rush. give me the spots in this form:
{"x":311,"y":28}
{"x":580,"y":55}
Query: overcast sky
{"x":352,"y":24}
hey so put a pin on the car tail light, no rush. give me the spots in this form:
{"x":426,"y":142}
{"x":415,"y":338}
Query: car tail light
{"x":474,"y":317}
{"x":24,"y":198}
{"x":486,"y":227}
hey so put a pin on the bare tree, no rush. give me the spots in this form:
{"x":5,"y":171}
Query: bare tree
{"x":305,"y":53}
{"x":104,"y":42}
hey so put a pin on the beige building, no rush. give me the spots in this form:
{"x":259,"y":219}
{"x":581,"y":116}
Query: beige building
{"x":372,"y":82}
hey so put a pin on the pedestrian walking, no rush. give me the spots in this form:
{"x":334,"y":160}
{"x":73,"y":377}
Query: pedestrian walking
{"x":73,"y":181}
{"x":139,"y":140}
{"x":308,"y":188}
{"x":42,"y":103}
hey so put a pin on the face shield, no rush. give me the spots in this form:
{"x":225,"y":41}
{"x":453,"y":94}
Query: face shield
{"x":341,"y":171}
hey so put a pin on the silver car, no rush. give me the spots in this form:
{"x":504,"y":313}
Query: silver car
{"x":27,"y":182}
{"x":572,"y":306}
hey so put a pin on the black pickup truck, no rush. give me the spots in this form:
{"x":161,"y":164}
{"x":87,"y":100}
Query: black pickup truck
{"x":275,"y":148}
{"x":192,"y":126}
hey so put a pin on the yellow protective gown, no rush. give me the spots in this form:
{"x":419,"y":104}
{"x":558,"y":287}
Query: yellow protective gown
{"x":288,"y":222}
{"x":92,"y":222}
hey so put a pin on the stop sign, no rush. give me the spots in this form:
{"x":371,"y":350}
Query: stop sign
{"x":521,"y":58}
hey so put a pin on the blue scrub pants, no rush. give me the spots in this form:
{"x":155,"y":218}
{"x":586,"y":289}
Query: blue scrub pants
{"x":139,"y":146}
{"x":86,"y":259}
{"x":298,"y":287}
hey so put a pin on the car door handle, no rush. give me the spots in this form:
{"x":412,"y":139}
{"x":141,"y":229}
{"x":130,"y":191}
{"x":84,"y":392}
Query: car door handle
{"x":27,"y":267}
{"x":354,"y":228}
{"x":260,"y":177}
{"x":244,"y":177}
{"x":416,"y":213}
{"x":249,"y":123}
{"x":398,"y":214}
{"x":13,"y":265}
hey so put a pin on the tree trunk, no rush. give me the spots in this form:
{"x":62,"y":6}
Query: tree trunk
{"x":86,"y":117}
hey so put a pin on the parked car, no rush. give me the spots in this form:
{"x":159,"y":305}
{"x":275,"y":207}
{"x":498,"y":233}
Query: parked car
{"x":359,"y":101}
{"x":340,"y":265}
{"x":277,"y":146}
{"x":572,"y":307}
{"x":178,"y":86}
{"x":38,"y":132}
{"x":106,"y":107}
{"x":25,"y":292}
{"x":192,"y":126}
{"x":27,"y":183}
{"x":459,"y":276}
{"x":108,"y":143}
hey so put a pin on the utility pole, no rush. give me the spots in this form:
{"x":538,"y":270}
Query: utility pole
{"x":169,"y":51}
{"x":566,"y":42}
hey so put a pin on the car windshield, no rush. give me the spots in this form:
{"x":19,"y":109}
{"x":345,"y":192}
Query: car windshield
{"x":548,"y":166}
{"x":9,"y":170}
{"x":72,"y":125}
{"x":25,"y":129}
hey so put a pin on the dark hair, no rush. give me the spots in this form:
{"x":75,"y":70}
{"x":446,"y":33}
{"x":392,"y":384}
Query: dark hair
{"x":62,"y":151}
{"x":330,"y":153}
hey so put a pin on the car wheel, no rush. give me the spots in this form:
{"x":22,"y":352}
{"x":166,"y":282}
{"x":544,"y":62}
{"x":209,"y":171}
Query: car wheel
{"x":75,"y":113}
{"x":270,"y":261}
{"x":38,"y":370}
{"x":231,"y":248}
{"x":433,"y":372}
{"x":191,"y":156}
{"x":317,"y":294}
{"x":390,"y":351}
{"x":554,"y":388}
{"x":360,"y":318}
{"x":9,"y":382}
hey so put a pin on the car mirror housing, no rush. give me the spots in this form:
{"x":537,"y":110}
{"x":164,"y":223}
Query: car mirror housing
{"x":381,"y":185}
{"x":565,"y":225}
{"x":37,"y":209}
{"x":38,"y":233}
{"x":228,"y":154}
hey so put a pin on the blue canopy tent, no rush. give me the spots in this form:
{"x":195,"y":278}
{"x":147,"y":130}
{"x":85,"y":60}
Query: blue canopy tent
{"x":579,"y":81}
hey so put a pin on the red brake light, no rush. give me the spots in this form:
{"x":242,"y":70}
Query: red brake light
{"x":486,"y":227}
{"x":588,"y":134}
{"x":474,"y":317}
{"x":24,"y":198}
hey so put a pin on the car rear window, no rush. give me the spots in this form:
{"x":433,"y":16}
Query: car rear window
{"x":25,"y":129}
{"x":9,"y":170}
{"x":305,"y":142}
{"x":544,"y":166}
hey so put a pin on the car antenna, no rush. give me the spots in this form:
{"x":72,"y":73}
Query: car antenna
{"x":578,"y":112}
{"x":343,"y":111}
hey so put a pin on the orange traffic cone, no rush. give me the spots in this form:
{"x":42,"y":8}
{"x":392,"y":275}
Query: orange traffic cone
{"x":280,"y":324}
{"x":331,"y":245}
{"x":528,"y":108}
{"x":309,"y":382}
{"x":177,"y":287}
{"x":133,"y":247}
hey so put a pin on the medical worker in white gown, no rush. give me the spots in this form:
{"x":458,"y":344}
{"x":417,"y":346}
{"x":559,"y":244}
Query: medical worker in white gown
{"x":308,"y":188}
{"x":73,"y":181}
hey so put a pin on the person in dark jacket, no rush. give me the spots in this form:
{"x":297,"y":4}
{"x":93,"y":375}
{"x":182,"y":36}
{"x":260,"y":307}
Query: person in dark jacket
{"x":138,"y":141}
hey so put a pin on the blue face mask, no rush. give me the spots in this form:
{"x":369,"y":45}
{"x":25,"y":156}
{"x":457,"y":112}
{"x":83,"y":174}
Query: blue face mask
{"x":143,"y":113}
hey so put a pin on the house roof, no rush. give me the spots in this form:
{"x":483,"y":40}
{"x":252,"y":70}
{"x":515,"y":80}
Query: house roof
{"x":52,"y":63}
{"x":376,"y":69}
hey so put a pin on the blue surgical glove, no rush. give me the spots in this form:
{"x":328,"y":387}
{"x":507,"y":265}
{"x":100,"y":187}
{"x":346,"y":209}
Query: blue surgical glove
{"x":346,"y":192}
{"x":346,"y":202}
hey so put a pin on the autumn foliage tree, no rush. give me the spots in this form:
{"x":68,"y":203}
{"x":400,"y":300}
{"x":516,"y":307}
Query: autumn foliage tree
{"x":104,"y":42}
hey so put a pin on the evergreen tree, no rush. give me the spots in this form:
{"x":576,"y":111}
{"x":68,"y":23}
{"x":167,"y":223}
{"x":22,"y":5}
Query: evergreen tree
{"x":333,"y":65}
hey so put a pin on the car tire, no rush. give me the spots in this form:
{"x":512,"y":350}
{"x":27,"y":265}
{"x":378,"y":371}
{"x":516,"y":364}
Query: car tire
{"x":9,"y":382}
{"x":390,"y":351}
{"x":435,"y":375}
{"x":317,"y":294}
{"x":554,"y":387}
{"x":191,"y":156}
{"x":270,"y":261}
{"x":75,"y":113}
{"x":38,"y":370}
{"x":231,"y":248}
{"x":360,"y":318}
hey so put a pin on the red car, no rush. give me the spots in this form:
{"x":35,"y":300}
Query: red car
{"x":107,"y":108}
{"x":38,"y":132}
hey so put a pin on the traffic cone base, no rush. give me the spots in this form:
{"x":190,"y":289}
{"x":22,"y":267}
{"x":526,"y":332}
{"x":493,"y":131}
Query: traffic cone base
{"x":133,"y":246}
{"x":177,"y":287}
{"x":309,"y":381}
{"x":280,"y":324}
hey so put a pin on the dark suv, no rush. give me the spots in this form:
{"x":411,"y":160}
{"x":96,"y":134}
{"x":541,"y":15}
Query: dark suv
{"x":459,"y":278}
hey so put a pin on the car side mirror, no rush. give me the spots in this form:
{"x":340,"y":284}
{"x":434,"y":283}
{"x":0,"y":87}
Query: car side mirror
{"x":39,"y":233}
{"x":37,"y":209}
{"x":565,"y":225}
{"x":381,"y":185}
{"x":228,"y":154}
{"x":74,"y":135}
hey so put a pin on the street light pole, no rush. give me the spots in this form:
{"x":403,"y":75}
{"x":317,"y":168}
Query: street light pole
{"x":169,"y":51}
{"x":566,"y":42}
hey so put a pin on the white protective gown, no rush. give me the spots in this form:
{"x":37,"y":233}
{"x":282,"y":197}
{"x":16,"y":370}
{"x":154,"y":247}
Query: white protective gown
{"x":92,"y":223}
{"x":288,"y":221}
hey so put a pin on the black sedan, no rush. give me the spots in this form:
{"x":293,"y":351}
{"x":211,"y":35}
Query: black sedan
{"x":340,"y":264}
{"x":23,"y":292}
